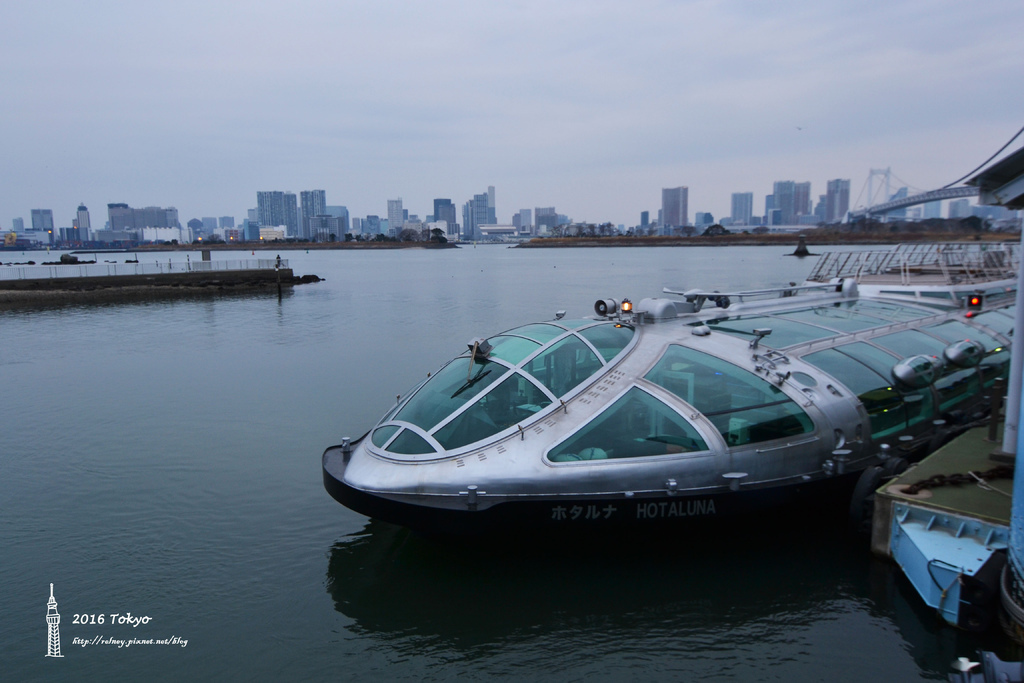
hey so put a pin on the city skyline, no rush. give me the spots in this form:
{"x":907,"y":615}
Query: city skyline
{"x":591,"y":107}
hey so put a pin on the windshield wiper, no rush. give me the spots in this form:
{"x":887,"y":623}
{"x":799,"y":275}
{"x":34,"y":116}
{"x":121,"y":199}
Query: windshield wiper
{"x":470,"y":382}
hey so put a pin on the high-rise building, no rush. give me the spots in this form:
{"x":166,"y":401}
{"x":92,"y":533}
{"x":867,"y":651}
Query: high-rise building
{"x":933,"y":210}
{"x":742,"y":207}
{"x":475,"y":213}
{"x":123,"y":218}
{"x":837,"y":200}
{"x":209,"y":224}
{"x":270,"y":208}
{"x":899,"y":194}
{"x":314,"y":203}
{"x":444,"y":210}
{"x":784,"y":199}
{"x":545,"y":218}
{"x":42,"y":220}
{"x":226,"y":221}
{"x":523,"y":221}
{"x":18,"y":224}
{"x":275,"y":209}
{"x":396,"y":216}
{"x":340,"y":212}
{"x":326,"y":228}
{"x":291,"y":213}
{"x":802,"y":200}
{"x":819,"y":209}
{"x":492,"y":212}
{"x":674,"y":206}
{"x":371,"y":225}
{"x":645,"y":219}
{"x":83,"y":223}
{"x":959,"y":208}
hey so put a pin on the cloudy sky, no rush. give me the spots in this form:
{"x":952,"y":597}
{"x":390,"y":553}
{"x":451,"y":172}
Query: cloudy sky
{"x":587,"y":105}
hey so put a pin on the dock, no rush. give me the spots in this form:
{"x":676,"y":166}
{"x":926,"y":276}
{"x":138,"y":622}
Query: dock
{"x":950,"y":537}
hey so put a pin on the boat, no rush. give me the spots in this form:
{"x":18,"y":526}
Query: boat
{"x":695,"y":406}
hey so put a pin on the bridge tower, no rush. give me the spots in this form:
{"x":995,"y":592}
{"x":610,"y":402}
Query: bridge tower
{"x":885,"y":173}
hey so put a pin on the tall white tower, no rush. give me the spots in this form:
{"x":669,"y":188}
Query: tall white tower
{"x":52,"y":627}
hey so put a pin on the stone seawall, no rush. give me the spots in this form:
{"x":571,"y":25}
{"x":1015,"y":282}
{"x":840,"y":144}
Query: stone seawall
{"x":116,"y":288}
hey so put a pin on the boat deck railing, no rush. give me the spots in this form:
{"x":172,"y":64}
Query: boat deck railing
{"x":157,"y":268}
{"x":932,"y":264}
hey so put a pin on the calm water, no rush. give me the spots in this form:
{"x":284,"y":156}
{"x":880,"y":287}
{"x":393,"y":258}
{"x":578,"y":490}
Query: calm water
{"x":164,"y":460}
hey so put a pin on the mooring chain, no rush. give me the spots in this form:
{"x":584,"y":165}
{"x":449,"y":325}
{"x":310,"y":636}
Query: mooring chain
{"x":939,"y":480}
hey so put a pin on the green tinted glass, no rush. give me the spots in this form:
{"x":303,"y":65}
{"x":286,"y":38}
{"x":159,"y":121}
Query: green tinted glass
{"x":564,"y":366}
{"x":541,"y":332}
{"x":882,"y":402}
{"x":609,"y":340}
{"x":410,"y":443}
{"x":910,"y":343}
{"x":840,"y":318}
{"x":636,"y":425}
{"x":452,"y":387}
{"x":784,"y":332}
{"x":509,"y":403}
{"x":744,"y":407}
{"x":511,"y":349}
{"x":381,"y":436}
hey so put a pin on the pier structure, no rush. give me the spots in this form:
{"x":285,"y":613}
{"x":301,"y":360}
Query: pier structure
{"x":955,"y":522}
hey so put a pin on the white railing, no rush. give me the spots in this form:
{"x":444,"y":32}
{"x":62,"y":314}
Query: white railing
{"x":971,"y":262}
{"x":108,"y":269}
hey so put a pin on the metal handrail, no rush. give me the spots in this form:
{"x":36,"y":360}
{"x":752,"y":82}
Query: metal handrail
{"x":969,"y":261}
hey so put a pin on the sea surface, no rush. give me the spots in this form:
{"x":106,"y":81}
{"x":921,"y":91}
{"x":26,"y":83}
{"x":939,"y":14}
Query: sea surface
{"x":163,"y":460}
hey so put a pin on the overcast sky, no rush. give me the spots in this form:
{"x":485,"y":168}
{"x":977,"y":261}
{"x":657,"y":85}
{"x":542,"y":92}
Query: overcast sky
{"x":590,"y":106}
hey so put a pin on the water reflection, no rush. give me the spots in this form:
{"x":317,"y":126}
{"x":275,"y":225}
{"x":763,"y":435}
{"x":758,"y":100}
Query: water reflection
{"x":812,"y":598}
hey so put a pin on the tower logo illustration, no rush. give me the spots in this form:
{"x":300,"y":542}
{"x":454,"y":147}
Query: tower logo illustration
{"x":52,"y":627}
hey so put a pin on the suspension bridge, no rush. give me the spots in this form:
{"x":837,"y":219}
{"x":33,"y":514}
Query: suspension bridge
{"x":895,"y":204}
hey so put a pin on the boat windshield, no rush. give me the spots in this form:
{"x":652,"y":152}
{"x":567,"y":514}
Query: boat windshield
{"x":452,"y":387}
{"x":528,"y":368}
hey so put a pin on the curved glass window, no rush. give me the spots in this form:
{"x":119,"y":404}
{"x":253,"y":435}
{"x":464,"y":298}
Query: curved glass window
{"x":918,"y":403}
{"x":784,"y":332}
{"x":453,"y":386}
{"x":609,"y":340}
{"x":410,"y":443}
{"x":564,"y":366}
{"x":956,"y":385}
{"x":889,"y":311}
{"x":635,"y":426}
{"x":997,"y":320}
{"x":511,"y":349}
{"x":539,"y":332}
{"x":381,"y":435}
{"x":995,"y":362}
{"x":910,"y":343}
{"x":881,"y":400}
{"x":742,"y":406}
{"x":507,"y":404}
{"x":837,"y":317}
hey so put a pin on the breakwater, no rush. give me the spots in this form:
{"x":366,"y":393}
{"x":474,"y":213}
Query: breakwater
{"x":138,"y":287}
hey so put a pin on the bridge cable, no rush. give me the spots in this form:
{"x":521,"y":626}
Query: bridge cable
{"x":986,"y":160}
